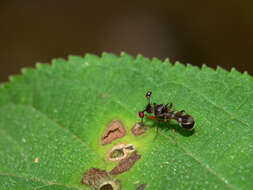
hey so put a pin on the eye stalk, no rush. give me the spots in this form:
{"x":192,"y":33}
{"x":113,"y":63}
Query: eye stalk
{"x":148,"y":94}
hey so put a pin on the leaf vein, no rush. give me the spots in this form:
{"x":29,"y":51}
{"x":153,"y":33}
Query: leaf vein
{"x":65,"y":129}
{"x":30,"y":178}
{"x":203,"y":165}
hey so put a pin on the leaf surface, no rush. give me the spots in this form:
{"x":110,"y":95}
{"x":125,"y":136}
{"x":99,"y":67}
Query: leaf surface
{"x":52,"y":119}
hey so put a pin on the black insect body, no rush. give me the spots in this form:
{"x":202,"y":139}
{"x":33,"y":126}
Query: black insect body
{"x":163,"y":112}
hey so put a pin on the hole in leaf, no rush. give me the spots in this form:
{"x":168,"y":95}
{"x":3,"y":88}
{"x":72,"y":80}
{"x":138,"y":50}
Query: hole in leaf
{"x":110,"y":185}
{"x":94,"y":177}
{"x":138,"y":129}
{"x":125,"y":164}
{"x":129,"y":148}
{"x":114,"y":131}
{"x":117,"y":153}
{"x":120,"y":151}
{"x":106,"y":187}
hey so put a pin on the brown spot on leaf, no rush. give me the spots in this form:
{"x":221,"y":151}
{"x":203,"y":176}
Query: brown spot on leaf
{"x":36,"y":160}
{"x":100,"y":180}
{"x":114,"y":131}
{"x":125,"y":164}
{"x":94,"y":176}
{"x":138,"y":129}
{"x":105,"y":95}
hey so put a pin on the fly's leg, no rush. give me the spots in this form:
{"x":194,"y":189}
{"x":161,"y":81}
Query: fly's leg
{"x":154,"y":118}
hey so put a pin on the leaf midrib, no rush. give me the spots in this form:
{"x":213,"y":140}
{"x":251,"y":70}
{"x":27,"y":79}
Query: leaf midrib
{"x":211,"y":171}
{"x":127,"y":109}
{"x":65,"y":129}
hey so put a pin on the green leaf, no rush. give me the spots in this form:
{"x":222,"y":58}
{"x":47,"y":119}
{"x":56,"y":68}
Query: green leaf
{"x":52,"y":119}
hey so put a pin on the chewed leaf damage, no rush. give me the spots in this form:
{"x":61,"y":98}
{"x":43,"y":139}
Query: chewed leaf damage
{"x":138,"y":129}
{"x":120,"y":152}
{"x":125,"y":164}
{"x":100,"y":180}
{"x":115,"y":130}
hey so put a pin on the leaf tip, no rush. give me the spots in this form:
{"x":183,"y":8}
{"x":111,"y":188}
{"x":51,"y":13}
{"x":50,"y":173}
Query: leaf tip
{"x":179,"y":65}
{"x":11,"y":78}
{"x":192,"y":67}
{"x":57,"y":61}
{"x":122,"y":53}
{"x":124,"y":57}
{"x":14,"y":78}
{"x":205,"y":68}
{"x":188,"y":65}
{"x":25,"y":71}
{"x":91,"y":58}
{"x":141,"y":58}
{"x":232,"y":69}
{"x":167,"y":61}
{"x":75,"y":59}
{"x":245,"y":73}
{"x":235,"y":72}
{"x":106,"y":54}
{"x":38,"y":65}
{"x":156,"y":60}
{"x":219,"y":68}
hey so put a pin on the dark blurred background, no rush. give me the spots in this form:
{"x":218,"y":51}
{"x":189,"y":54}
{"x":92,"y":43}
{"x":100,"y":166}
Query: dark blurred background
{"x":211,"y":32}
